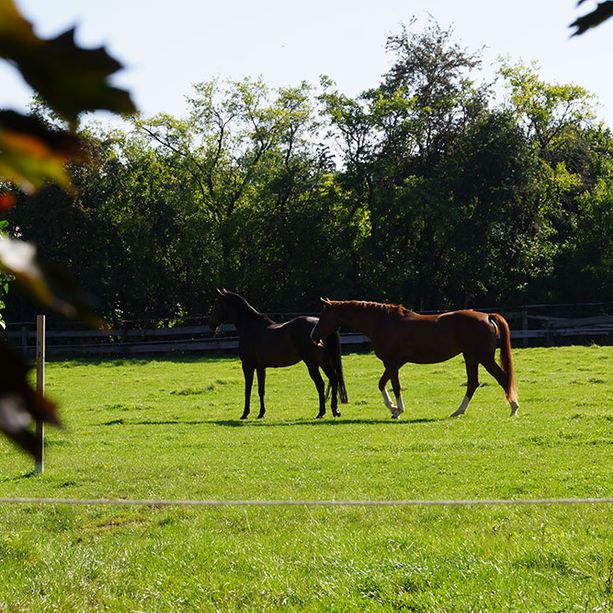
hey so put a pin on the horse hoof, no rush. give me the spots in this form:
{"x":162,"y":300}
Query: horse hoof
{"x":261,"y":416}
{"x":457,"y":414}
{"x":337,"y":414}
{"x":319,"y":415}
{"x":244,"y":416}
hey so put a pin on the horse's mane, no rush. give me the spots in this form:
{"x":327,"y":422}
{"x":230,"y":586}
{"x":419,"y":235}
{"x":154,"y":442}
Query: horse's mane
{"x":366,"y":305}
{"x":246,"y":308}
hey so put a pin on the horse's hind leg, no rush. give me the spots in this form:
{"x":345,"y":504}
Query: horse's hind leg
{"x":248,"y":370}
{"x":502,"y":378}
{"x":334,"y":399}
{"x":472,"y":383}
{"x":261,"y":390}
{"x":320,"y":385}
{"x":385,"y":377}
{"x":329,"y":371}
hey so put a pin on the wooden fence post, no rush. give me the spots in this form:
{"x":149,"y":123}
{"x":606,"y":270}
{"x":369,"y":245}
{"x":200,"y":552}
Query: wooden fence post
{"x":40,"y":388}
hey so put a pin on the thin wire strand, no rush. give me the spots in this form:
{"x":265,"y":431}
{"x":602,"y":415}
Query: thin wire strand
{"x":304,"y":503}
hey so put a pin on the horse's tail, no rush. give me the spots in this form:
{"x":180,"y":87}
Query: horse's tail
{"x":506,"y":358}
{"x":332,"y":350}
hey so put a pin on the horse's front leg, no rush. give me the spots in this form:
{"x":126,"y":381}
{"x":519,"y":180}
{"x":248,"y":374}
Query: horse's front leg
{"x":398,"y":394}
{"x":248,"y":370}
{"x":261,"y":390}
{"x":321,"y":388}
{"x":385,"y":377}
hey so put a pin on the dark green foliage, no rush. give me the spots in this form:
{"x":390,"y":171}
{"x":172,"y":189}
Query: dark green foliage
{"x":425,"y":190}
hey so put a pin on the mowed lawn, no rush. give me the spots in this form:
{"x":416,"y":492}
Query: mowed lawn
{"x":170,"y":429}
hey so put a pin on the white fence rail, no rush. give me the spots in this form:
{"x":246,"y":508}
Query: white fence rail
{"x":153,"y":503}
{"x":526,"y":329}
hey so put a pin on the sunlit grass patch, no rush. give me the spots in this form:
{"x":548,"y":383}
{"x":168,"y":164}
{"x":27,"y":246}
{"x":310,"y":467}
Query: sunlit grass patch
{"x":171,"y":430}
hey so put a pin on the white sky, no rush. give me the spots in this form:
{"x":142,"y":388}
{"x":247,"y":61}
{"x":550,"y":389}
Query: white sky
{"x":169,"y":45}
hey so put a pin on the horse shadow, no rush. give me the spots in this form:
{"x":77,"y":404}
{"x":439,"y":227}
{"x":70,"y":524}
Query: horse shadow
{"x":155,"y":422}
{"x":264,"y":423}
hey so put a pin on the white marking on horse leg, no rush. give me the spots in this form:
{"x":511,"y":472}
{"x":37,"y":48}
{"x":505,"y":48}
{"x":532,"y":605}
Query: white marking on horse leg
{"x":388,"y":401}
{"x":514,"y":408}
{"x":462,"y":408}
{"x":400,"y":408}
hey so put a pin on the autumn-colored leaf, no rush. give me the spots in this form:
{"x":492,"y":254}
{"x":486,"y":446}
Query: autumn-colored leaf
{"x":20,"y":404}
{"x":45,"y":282}
{"x":7,"y":201}
{"x":70,"y":79}
{"x":31,"y":154}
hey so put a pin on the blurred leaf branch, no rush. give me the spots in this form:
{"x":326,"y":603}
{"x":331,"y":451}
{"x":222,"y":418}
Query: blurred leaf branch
{"x":70,"y":80}
{"x":602,"y":12}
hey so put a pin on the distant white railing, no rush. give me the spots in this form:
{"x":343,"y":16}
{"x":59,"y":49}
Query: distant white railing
{"x":136,"y":339}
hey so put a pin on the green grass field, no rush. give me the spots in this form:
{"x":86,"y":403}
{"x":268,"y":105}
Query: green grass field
{"x":170,"y":429}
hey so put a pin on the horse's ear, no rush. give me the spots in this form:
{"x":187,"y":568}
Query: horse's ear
{"x":221,"y":292}
{"x":325,"y":301}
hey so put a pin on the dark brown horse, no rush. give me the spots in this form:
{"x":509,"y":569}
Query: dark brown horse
{"x":262,"y":343}
{"x":400,"y":335}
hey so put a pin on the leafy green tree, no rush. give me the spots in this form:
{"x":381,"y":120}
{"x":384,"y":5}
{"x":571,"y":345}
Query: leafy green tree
{"x":396,"y":141}
{"x":420,"y":190}
{"x":255,"y":168}
{"x":559,"y":124}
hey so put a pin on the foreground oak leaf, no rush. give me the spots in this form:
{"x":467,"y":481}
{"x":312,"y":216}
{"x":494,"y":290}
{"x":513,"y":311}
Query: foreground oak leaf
{"x":32,"y":154}
{"x":602,"y":12}
{"x":70,"y":79}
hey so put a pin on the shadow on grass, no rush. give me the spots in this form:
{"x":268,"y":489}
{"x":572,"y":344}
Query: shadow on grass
{"x":263,"y":423}
{"x":29,"y":474}
{"x":155,"y":422}
{"x":14,"y":478}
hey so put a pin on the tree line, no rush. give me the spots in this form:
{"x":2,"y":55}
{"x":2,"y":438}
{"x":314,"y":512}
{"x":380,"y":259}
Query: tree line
{"x":434,"y":188}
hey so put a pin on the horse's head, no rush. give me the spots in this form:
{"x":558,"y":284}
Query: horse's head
{"x":220,"y":312}
{"x":329,"y":322}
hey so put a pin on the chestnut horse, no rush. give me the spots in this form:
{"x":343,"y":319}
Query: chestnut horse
{"x":400,"y":335}
{"x":263,"y":343}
